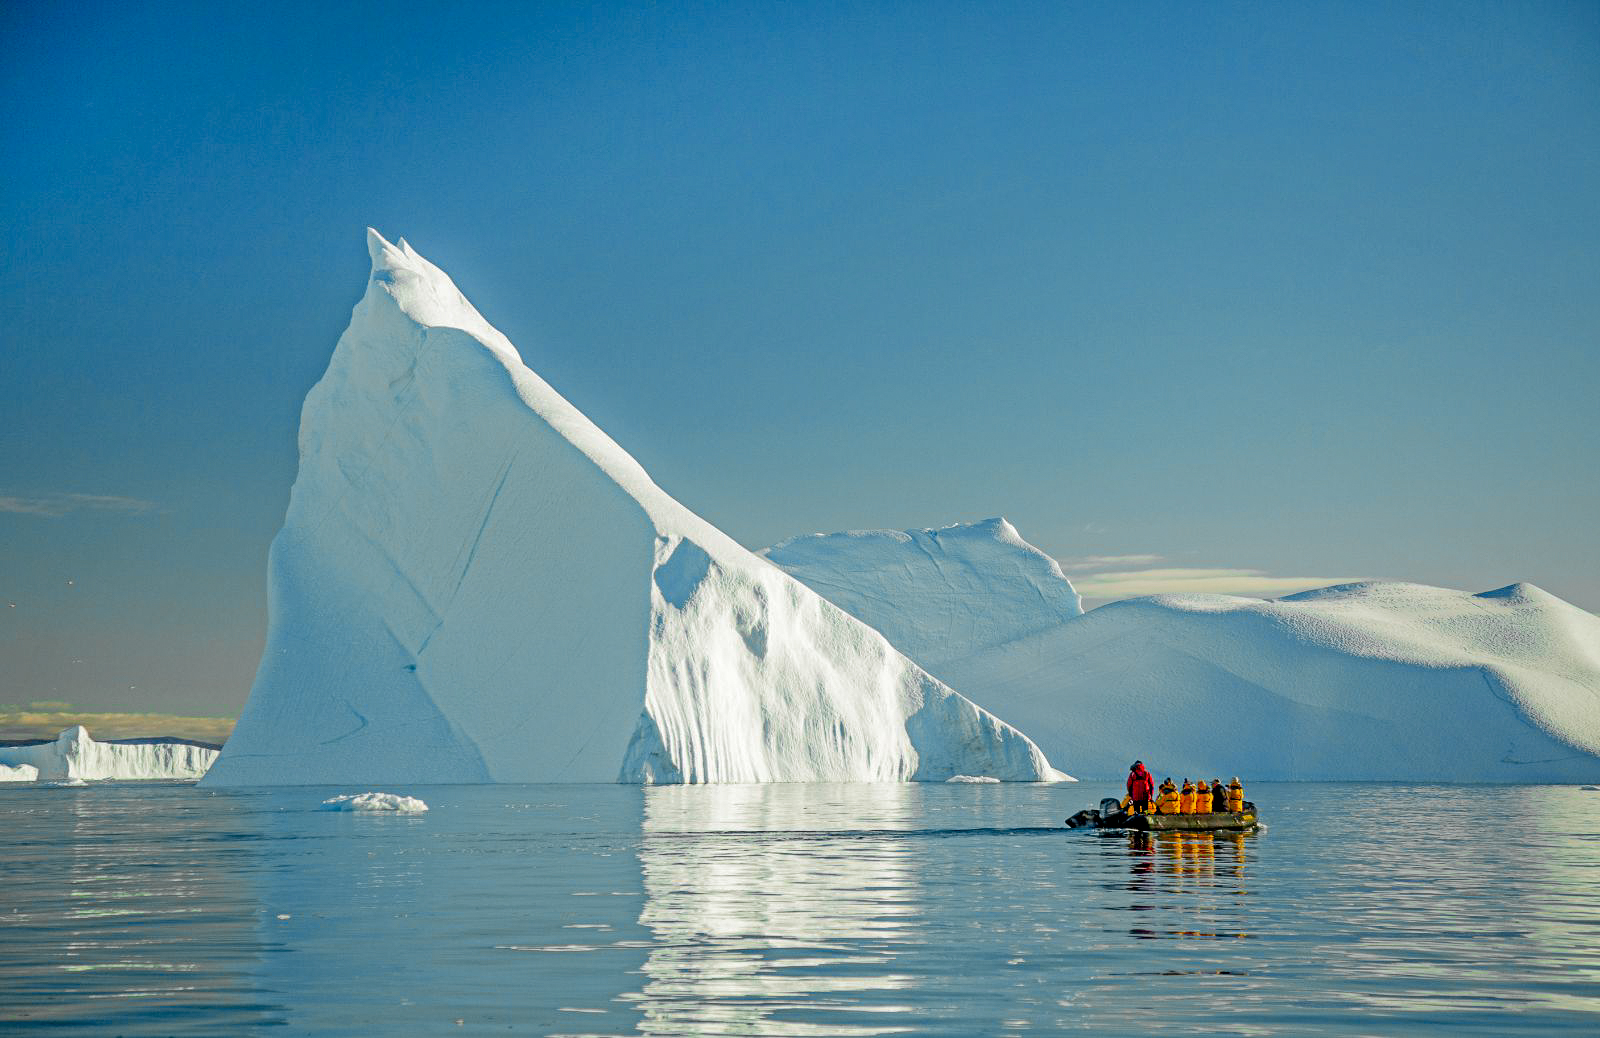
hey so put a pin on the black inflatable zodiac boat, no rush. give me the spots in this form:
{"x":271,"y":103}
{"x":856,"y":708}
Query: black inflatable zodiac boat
{"x":1110,"y":815}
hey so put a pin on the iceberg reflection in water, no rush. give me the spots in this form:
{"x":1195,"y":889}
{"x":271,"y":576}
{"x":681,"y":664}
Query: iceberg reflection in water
{"x":796,"y":910}
{"x":762,"y":908}
{"x":125,"y":909}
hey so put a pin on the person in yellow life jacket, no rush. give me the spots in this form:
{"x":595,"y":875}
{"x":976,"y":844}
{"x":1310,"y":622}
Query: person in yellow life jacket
{"x":1167,"y":799}
{"x":1186,"y":798}
{"x":1235,"y":795}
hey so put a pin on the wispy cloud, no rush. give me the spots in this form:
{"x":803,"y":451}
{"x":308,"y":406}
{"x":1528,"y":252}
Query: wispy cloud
{"x":45,"y":720}
{"x":1119,"y":584}
{"x":54,"y":506}
{"x":1112,"y":577}
{"x":1092,"y":563}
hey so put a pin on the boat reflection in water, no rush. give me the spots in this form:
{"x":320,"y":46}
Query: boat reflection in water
{"x":793,"y":909}
{"x":1201,"y":877}
{"x":770,"y":903}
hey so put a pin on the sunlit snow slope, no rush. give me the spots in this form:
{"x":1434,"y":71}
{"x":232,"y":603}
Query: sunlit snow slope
{"x":474,"y":583}
{"x":76,"y":756}
{"x":937,"y":595}
{"x":1362,"y":681}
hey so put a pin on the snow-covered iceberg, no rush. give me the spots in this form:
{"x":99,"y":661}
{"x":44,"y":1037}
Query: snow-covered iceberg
{"x":937,"y":595}
{"x":1371,"y":681}
{"x":74,"y":756}
{"x":474,"y":583}
{"x":1361,"y":681}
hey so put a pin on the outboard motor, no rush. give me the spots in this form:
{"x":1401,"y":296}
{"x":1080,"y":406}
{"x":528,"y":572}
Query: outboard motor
{"x":1090,"y":817}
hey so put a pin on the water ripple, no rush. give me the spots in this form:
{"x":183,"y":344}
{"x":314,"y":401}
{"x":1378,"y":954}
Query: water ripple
{"x":795,"y":910}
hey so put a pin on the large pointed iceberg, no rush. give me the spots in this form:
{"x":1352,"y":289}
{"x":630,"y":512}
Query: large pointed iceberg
{"x":1371,"y":681}
{"x":474,"y":583}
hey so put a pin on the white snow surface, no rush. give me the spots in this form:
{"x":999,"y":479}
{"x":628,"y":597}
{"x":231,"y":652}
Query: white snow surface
{"x":74,"y":756}
{"x":374,"y":802}
{"x":937,"y":595}
{"x":1368,"y":681}
{"x":474,"y":583}
{"x":18,"y":773}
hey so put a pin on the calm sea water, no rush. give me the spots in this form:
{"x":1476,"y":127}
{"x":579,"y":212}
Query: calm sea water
{"x":795,"y":910}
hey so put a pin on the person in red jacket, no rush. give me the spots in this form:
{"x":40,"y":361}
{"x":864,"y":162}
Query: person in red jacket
{"x":1141,"y":788}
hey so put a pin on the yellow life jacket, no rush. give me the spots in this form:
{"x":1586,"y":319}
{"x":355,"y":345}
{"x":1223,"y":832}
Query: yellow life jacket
{"x":1186,"y":800}
{"x":1167,"y":802}
{"x":1235,"y":797}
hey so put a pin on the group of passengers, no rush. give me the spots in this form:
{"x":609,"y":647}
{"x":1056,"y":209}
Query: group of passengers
{"x":1193,"y":798}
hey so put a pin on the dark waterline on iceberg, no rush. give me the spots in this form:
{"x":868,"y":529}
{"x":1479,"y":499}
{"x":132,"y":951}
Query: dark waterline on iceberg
{"x":795,"y":909}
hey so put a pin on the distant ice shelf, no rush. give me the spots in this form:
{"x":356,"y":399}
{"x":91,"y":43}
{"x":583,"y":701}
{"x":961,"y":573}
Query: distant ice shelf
{"x":74,"y":756}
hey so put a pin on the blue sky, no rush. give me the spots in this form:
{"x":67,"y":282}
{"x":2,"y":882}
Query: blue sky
{"x":1242,"y":296}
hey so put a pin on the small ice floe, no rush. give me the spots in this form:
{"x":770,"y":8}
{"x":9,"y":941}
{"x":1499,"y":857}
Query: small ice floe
{"x":1591,"y":789}
{"x":374,"y":802}
{"x":972,"y":778}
